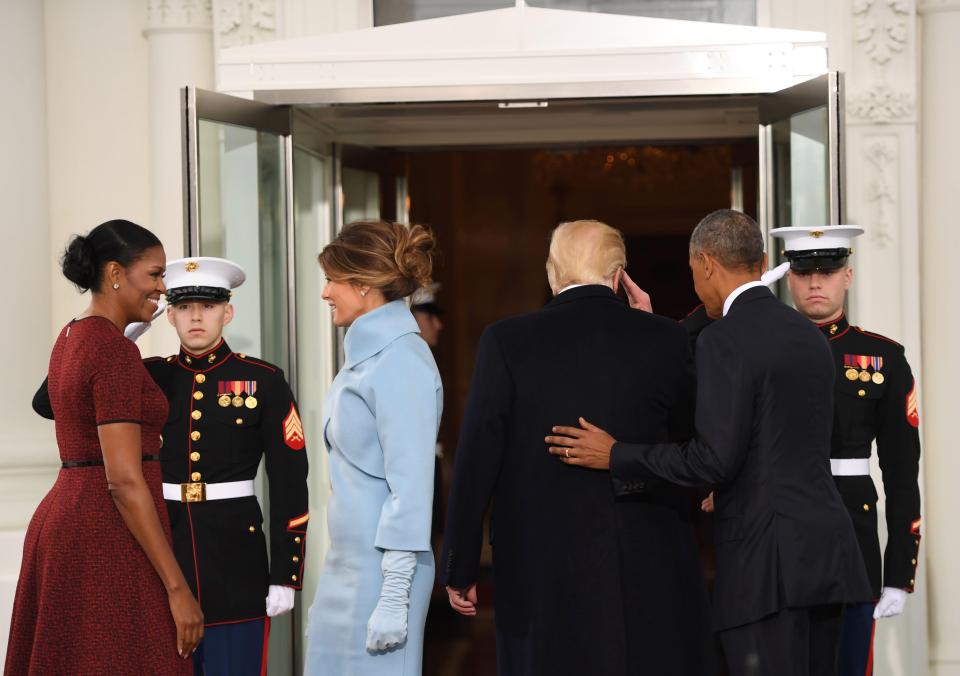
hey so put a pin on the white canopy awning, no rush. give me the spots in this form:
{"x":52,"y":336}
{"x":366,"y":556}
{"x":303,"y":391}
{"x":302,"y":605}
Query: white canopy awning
{"x":523,"y":53}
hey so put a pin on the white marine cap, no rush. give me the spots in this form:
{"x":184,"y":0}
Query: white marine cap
{"x":424,"y":299}
{"x":202,"y":278}
{"x":822,"y":247}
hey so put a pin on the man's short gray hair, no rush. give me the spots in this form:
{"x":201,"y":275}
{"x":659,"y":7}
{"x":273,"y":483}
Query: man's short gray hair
{"x":730,"y":236}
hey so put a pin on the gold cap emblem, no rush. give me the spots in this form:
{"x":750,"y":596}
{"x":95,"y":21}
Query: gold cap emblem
{"x":816,"y":234}
{"x":191,"y":266}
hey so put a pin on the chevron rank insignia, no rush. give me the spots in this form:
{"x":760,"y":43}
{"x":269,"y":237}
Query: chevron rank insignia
{"x":913,"y":413}
{"x":293,"y":430}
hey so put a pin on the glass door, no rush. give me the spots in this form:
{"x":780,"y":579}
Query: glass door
{"x":238,"y":164}
{"x":801,"y":158}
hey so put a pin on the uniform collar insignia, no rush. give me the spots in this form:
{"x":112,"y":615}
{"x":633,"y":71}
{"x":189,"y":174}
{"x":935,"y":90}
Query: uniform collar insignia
{"x":836,"y":328}
{"x":205,"y":361}
{"x":372,"y":332}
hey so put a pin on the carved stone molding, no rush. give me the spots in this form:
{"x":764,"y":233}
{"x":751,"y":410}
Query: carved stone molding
{"x":882,"y":32}
{"x":880,"y":27}
{"x":882,"y":194}
{"x":179,"y":15}
{"x":880,"y":104}
{"x":245,"y":22}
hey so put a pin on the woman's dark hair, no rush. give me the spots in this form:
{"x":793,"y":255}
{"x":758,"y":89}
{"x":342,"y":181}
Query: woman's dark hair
{"x":118,"y":240}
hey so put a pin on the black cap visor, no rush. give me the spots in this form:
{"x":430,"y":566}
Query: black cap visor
{"x":194,"y":293}
{"x":428,"y":308}
{"x":818,"y":260}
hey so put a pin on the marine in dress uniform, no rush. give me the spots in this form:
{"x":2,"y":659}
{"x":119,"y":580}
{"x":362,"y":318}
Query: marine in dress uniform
{"x":227,"y":411}
{"x":875,"y":400}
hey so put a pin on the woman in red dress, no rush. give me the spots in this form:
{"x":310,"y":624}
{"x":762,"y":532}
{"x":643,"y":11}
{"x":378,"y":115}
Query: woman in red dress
{"x":100,"y":591}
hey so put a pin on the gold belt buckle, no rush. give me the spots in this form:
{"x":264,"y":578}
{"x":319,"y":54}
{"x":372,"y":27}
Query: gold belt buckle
{"x":194,"y":492}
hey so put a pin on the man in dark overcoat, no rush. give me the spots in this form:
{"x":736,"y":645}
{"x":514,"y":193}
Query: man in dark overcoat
{"x":585,"y":582}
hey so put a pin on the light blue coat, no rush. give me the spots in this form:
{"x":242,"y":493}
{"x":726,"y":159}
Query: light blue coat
{"x":380,"y":427}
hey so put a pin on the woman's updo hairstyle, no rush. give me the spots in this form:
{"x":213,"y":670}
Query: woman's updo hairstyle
{"x":85,"y":257}
{"x":392,"y":257}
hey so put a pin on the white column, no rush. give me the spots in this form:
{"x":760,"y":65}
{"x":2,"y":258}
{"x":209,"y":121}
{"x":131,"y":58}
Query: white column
{"x":940,"y":100}
{"x":27,"y":449}
{"x":180,"y":38}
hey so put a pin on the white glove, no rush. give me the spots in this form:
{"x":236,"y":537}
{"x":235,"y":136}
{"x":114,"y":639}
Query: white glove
{"x":279,"y":600}
{"x":775,"y":275}
{"x":387,"y":626}
{"x":891,"y":603}
{"x":137,"y":329}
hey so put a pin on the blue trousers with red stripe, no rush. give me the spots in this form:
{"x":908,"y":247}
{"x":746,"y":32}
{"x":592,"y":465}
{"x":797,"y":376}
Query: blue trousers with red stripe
{"x":238,"y":649}
{"x":856,"y":641}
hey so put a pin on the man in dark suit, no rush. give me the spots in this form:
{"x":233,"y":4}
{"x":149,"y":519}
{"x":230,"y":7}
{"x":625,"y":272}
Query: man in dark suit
{"x":585,"y":583}
{"x":787,"y":558}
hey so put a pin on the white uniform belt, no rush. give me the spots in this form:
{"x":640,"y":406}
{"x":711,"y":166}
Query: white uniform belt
{"x":850,"y":466}
{"x":199,"y":492}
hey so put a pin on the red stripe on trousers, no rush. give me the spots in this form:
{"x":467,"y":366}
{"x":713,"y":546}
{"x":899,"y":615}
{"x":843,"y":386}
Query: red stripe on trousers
{"x":266,"y":645}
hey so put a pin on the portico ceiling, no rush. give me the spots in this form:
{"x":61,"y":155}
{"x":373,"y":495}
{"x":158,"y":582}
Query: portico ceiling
{"x":523,"y":53}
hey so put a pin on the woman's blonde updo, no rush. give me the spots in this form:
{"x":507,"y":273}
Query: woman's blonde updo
{"x":394,"y":258}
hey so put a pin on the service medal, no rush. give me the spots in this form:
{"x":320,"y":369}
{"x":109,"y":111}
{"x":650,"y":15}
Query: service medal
{"x":238,"y":401}
{"x":852,"y":374}
{"x":251,"y":402}
{"x":224,"y":400}
{"x":878,"y":378}
{"x":864,"y":376}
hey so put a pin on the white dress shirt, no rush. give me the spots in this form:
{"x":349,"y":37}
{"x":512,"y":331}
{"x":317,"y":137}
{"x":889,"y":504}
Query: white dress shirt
{"x":736,"y":292}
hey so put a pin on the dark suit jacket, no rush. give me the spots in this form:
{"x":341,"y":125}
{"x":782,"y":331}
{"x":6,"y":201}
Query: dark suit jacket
{"x":765,"y":382}
{"x":584,"y":583}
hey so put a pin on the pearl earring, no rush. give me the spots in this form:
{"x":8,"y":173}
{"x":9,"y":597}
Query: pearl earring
{"x":116,"y":285}
{"x":363,"y":293}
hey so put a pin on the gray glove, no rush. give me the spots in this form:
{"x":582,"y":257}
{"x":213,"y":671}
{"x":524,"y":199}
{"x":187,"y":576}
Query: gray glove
{"x":387,"y":626}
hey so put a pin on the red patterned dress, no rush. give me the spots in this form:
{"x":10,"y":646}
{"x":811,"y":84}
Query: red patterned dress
{"x":88,"y":600}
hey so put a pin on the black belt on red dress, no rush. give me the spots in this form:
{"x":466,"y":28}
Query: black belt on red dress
{"x":70,"y":464}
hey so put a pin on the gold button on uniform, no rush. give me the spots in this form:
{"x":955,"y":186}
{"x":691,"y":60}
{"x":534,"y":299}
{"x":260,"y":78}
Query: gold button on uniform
{"x":297,"y":539}
{"x":294,"y":578}
{"x":195,"y":476}
{"x":239,"y":421}
{"x":196,"y":415}
{"x":913,"y":561}
{"x":201,"y":378}
{"x":195,"y":435}
{"x":911,"y":583}
{"x":296,"y":559}
{"x":862,"y":393}
{"x":194,"y":456}
{"x":252,"y":529}
{"x":198,"y":395}
{"x":866,"y":507}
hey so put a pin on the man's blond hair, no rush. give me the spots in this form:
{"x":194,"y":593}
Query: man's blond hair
{"x":584,"y":252}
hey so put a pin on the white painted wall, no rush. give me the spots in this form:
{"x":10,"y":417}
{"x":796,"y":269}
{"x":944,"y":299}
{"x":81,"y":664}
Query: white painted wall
{"x":27,"y":448}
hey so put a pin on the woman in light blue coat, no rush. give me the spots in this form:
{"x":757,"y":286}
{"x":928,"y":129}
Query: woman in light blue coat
{"x":380,"y":427}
